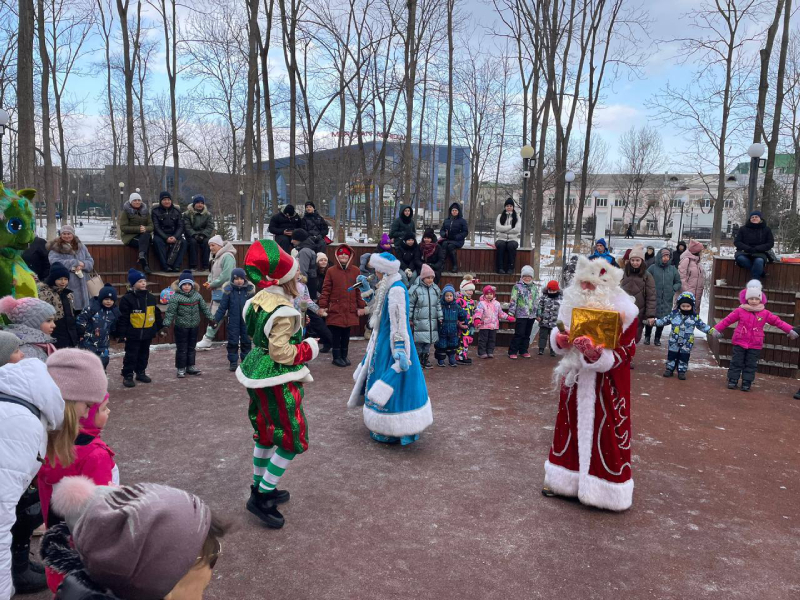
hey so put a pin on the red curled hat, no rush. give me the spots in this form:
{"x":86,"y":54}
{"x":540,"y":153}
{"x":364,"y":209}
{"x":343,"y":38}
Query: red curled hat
{"x":266,"y":264}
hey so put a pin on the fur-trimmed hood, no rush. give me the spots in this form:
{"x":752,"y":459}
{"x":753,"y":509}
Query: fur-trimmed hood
{"x":144,"y":210}
{"x":29,"y":335}
{"x":62,"y":247}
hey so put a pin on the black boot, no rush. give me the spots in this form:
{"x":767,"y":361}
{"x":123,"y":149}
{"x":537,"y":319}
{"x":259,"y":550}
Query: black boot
{"x":143,"y":377}
{"x":128,"y":381}
{"x":732,"y":385}
{"x":647,"y":341}
{"x":746,"y":385}
{"x":541,"y":351}
{"x":657,"y":342}
{"x":26,"y":579}
{"x":324,"y":349}
{"x":346,"y":360}
{"x":337,"y":358}
{"x":797,"y":395}
{"x":144,"y":265}
{"x":264,"y":507}
{"x":681,"y":375}
{"x":668,"y":373}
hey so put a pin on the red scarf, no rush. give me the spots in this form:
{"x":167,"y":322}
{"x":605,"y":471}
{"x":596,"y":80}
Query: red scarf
{"x":427,"y":248}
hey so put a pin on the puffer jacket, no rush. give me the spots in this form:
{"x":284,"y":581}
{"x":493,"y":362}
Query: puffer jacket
{"x":233,"y":300}
{"x":280,"y":222}
{"x":35,"y":343}
{"x":693,"y":279}
{"x":454,"y":229}
{"x":222,"y":265}
{"x":668,"y":283}
{"x":97,"y":324}
{"x":341,"y":304}
{"x":23,"y":440}
{"x":523,"y":300}
{"x":681,"y":328}
{"x":307,"y":259}
{"x":316,"y":226}
{"x":64,"y":253}
{"x":198,"y":224}
{"x":642,"y":287}
{"x":139,"y":315}
{"x":66,"y":333}
{"x":749,"y":331}
{"x":130,"y":220}
{"x":676,"y":255}
{"x":548,"y":307}
{"x":754,"y":240}
{"x":489,"y":313}
{"x":409,"y":257}
{"x":452,"y":316}
{"x":425,"y":309}
{"x":184,"y":308}
{"x":402,"y":225}
{"x":507,"y":232}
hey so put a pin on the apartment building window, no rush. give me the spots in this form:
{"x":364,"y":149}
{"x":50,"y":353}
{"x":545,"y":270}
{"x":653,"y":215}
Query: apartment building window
{"x":551,"y":201}
{"x":587,"y":201}
{"x":619,"y":202}
{"x":601,"y":202}
{"x":728,"y":203}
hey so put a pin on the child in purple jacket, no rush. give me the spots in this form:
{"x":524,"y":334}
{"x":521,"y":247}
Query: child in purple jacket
{"x":748,"y":339}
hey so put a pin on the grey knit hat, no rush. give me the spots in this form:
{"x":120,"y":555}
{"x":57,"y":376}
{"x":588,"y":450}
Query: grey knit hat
{"x":26,"y":311}
{"x":9,"y":343}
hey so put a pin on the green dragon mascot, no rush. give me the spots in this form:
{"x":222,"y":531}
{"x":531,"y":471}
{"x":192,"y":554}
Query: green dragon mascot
{"x":17,"y":223}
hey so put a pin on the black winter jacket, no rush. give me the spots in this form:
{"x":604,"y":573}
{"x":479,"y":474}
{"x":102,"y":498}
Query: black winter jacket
{"x":36,"y":257}
{"x":280,"y":222}
{"x":315,"y":225}
{"x":436,"y":260}
{"x":676,"y":254}
{"x":409,"y":257}
{"x":454,"y":229}
{"x":402,"y":225}
{"x":167,"y":222}
{"x":66,"y":331}
{"x":139,"y":315}
{"x":754,"y":240}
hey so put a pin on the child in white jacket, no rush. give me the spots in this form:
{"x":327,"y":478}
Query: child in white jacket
{"x":30,"y":406}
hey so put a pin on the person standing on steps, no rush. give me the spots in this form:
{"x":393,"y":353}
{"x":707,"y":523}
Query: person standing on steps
{"x":136,"y":228}
{"x":274,"y":373}
{"x":198,"y":227}
{"x":222,"y":265}
{"x":452,"y":235}
{"x":507,"y":230}
{"x":402,"y":226}
{"x":282,"y":224}
{"x":168,"y":226}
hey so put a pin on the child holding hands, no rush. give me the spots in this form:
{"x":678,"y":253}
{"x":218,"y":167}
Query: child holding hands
{"x":488,"y":315}
{"x":184,"y":309}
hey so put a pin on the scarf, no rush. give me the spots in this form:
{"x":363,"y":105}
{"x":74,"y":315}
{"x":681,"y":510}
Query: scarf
{"x":427,"y":248}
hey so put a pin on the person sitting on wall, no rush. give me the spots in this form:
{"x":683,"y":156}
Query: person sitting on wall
{"x":507,"y":229}
{"x":168,"y":225}
{"x":136,"y":228}
{"x":281,"y":226}
{"x":753,"y":242}
{"x":452,"y":235}
{"x":198,"y":227}
{"x":402,"y":225}
{"x":315,"y":225}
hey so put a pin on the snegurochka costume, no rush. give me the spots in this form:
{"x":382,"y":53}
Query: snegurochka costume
{"x":274,"y":373}
{"x":389,"y":380}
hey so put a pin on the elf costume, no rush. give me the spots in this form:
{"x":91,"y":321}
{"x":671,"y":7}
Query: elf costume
{"x":273,"y":373}
{"x":389,"y":381}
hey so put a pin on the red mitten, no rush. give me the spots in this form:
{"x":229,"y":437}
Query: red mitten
{"x":511,"y":318}
{"x":562,"y":340}
{"x":586,"y":346}
{"x":477,"y":323}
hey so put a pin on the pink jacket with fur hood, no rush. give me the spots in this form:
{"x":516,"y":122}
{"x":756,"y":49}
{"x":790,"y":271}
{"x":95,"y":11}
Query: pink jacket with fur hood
{"x":750,"y":325}
{"x":490,"y":313}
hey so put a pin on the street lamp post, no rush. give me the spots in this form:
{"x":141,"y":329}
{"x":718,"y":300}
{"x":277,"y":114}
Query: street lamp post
{"x":526,"y":152}
{"x":680,"y":224}
{"x":755,"y":151}
{"x":3,"y":124}
{"x":75,"y":212}
{"x":121,"y":194}
{"x":483,"y":223}
{"x":569,"y":177}
{"x":239,"y":224}
{"x":88,"y":212}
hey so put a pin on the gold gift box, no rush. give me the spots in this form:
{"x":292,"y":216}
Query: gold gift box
{"x":602,"y":326}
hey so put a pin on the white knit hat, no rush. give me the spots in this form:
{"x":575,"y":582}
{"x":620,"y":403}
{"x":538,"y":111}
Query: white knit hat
{"x":637,"y":252}
{"x":753,"y":289}
{"x":468,"y":284}
{"x":217,"y":239}
{"x":527,"y":270}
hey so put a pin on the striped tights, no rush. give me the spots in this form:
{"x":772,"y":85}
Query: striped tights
{"x":269,"y":464}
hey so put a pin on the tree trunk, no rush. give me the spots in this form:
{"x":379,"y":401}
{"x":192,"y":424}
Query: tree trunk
{"x":253,"y":34}
{"x":289,"y":24}
{"x":49,"y":182}
{"x":26,"y":136}
{"x":410,"y":76}
{"x":445,"y":202}
{"x":128,"y":68}
{"x":269,"y":6}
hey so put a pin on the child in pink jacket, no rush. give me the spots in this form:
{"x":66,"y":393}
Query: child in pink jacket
{"x":748,"y":339}
{"x":488,"y":315}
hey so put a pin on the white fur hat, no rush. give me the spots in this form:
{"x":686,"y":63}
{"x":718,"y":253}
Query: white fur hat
{"x":598,"y":272}
{"x":753,"y":289}
{"x":384,"y":263}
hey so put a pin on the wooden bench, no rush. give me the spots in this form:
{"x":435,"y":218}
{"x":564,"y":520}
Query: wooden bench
{"x":780,"y":356}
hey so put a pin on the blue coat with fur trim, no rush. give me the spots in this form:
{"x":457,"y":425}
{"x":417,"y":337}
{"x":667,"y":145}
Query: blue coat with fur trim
{"x":396,"y":402}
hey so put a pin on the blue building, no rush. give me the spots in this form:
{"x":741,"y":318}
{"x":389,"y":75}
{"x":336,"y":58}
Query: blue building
{"x":339,"y":176}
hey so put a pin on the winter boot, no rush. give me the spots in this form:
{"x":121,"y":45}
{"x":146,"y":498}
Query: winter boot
{"x":681,"y":375}
{"x":440,"y":361}
{"x":324,"y":349}
{"x":668,"y":373}
{"x":204,"y":344}
{"x":26,"y":579}
{"x":647,"y":341}
{"x":193,"y":370}
{"x":143,"y":377}
{"x":264,"y":507}
{"x":234,"y":365}
{"x":657,"y":342}
{"x":451,"y":358}
{"x":181,"y":373}
{"x":552,"y":353}
{"x":746,"y":385}
{"x":732,"y":385}
{"x":128,"y":381}
{"x":337,"y":358}
{"x":797,"y":395}
{"x":346,"y":360}
{"x":541,"y":351}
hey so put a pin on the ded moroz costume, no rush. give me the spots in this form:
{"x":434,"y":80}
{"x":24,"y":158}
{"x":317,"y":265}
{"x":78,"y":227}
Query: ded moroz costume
{"x":591,"y":452}
{"x":389,"y":380}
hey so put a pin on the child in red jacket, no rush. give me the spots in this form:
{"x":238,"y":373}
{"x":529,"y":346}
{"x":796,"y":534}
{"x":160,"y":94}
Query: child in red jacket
{"x":81,"y":378}
{"x":748,"y":339}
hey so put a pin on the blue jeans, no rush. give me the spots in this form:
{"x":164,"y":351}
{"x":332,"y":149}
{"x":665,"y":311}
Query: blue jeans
{"x":756,"y":265}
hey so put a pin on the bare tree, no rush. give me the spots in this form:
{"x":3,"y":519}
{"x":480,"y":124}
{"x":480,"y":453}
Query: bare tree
{"x":49,"y":191}
{"x":708,"y":111}
{"x":264,"y":45}
{"x":129,"y":68}
{"x":641,"y":156}
{"x":791,"y":113}
{"x":26,"y":138}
